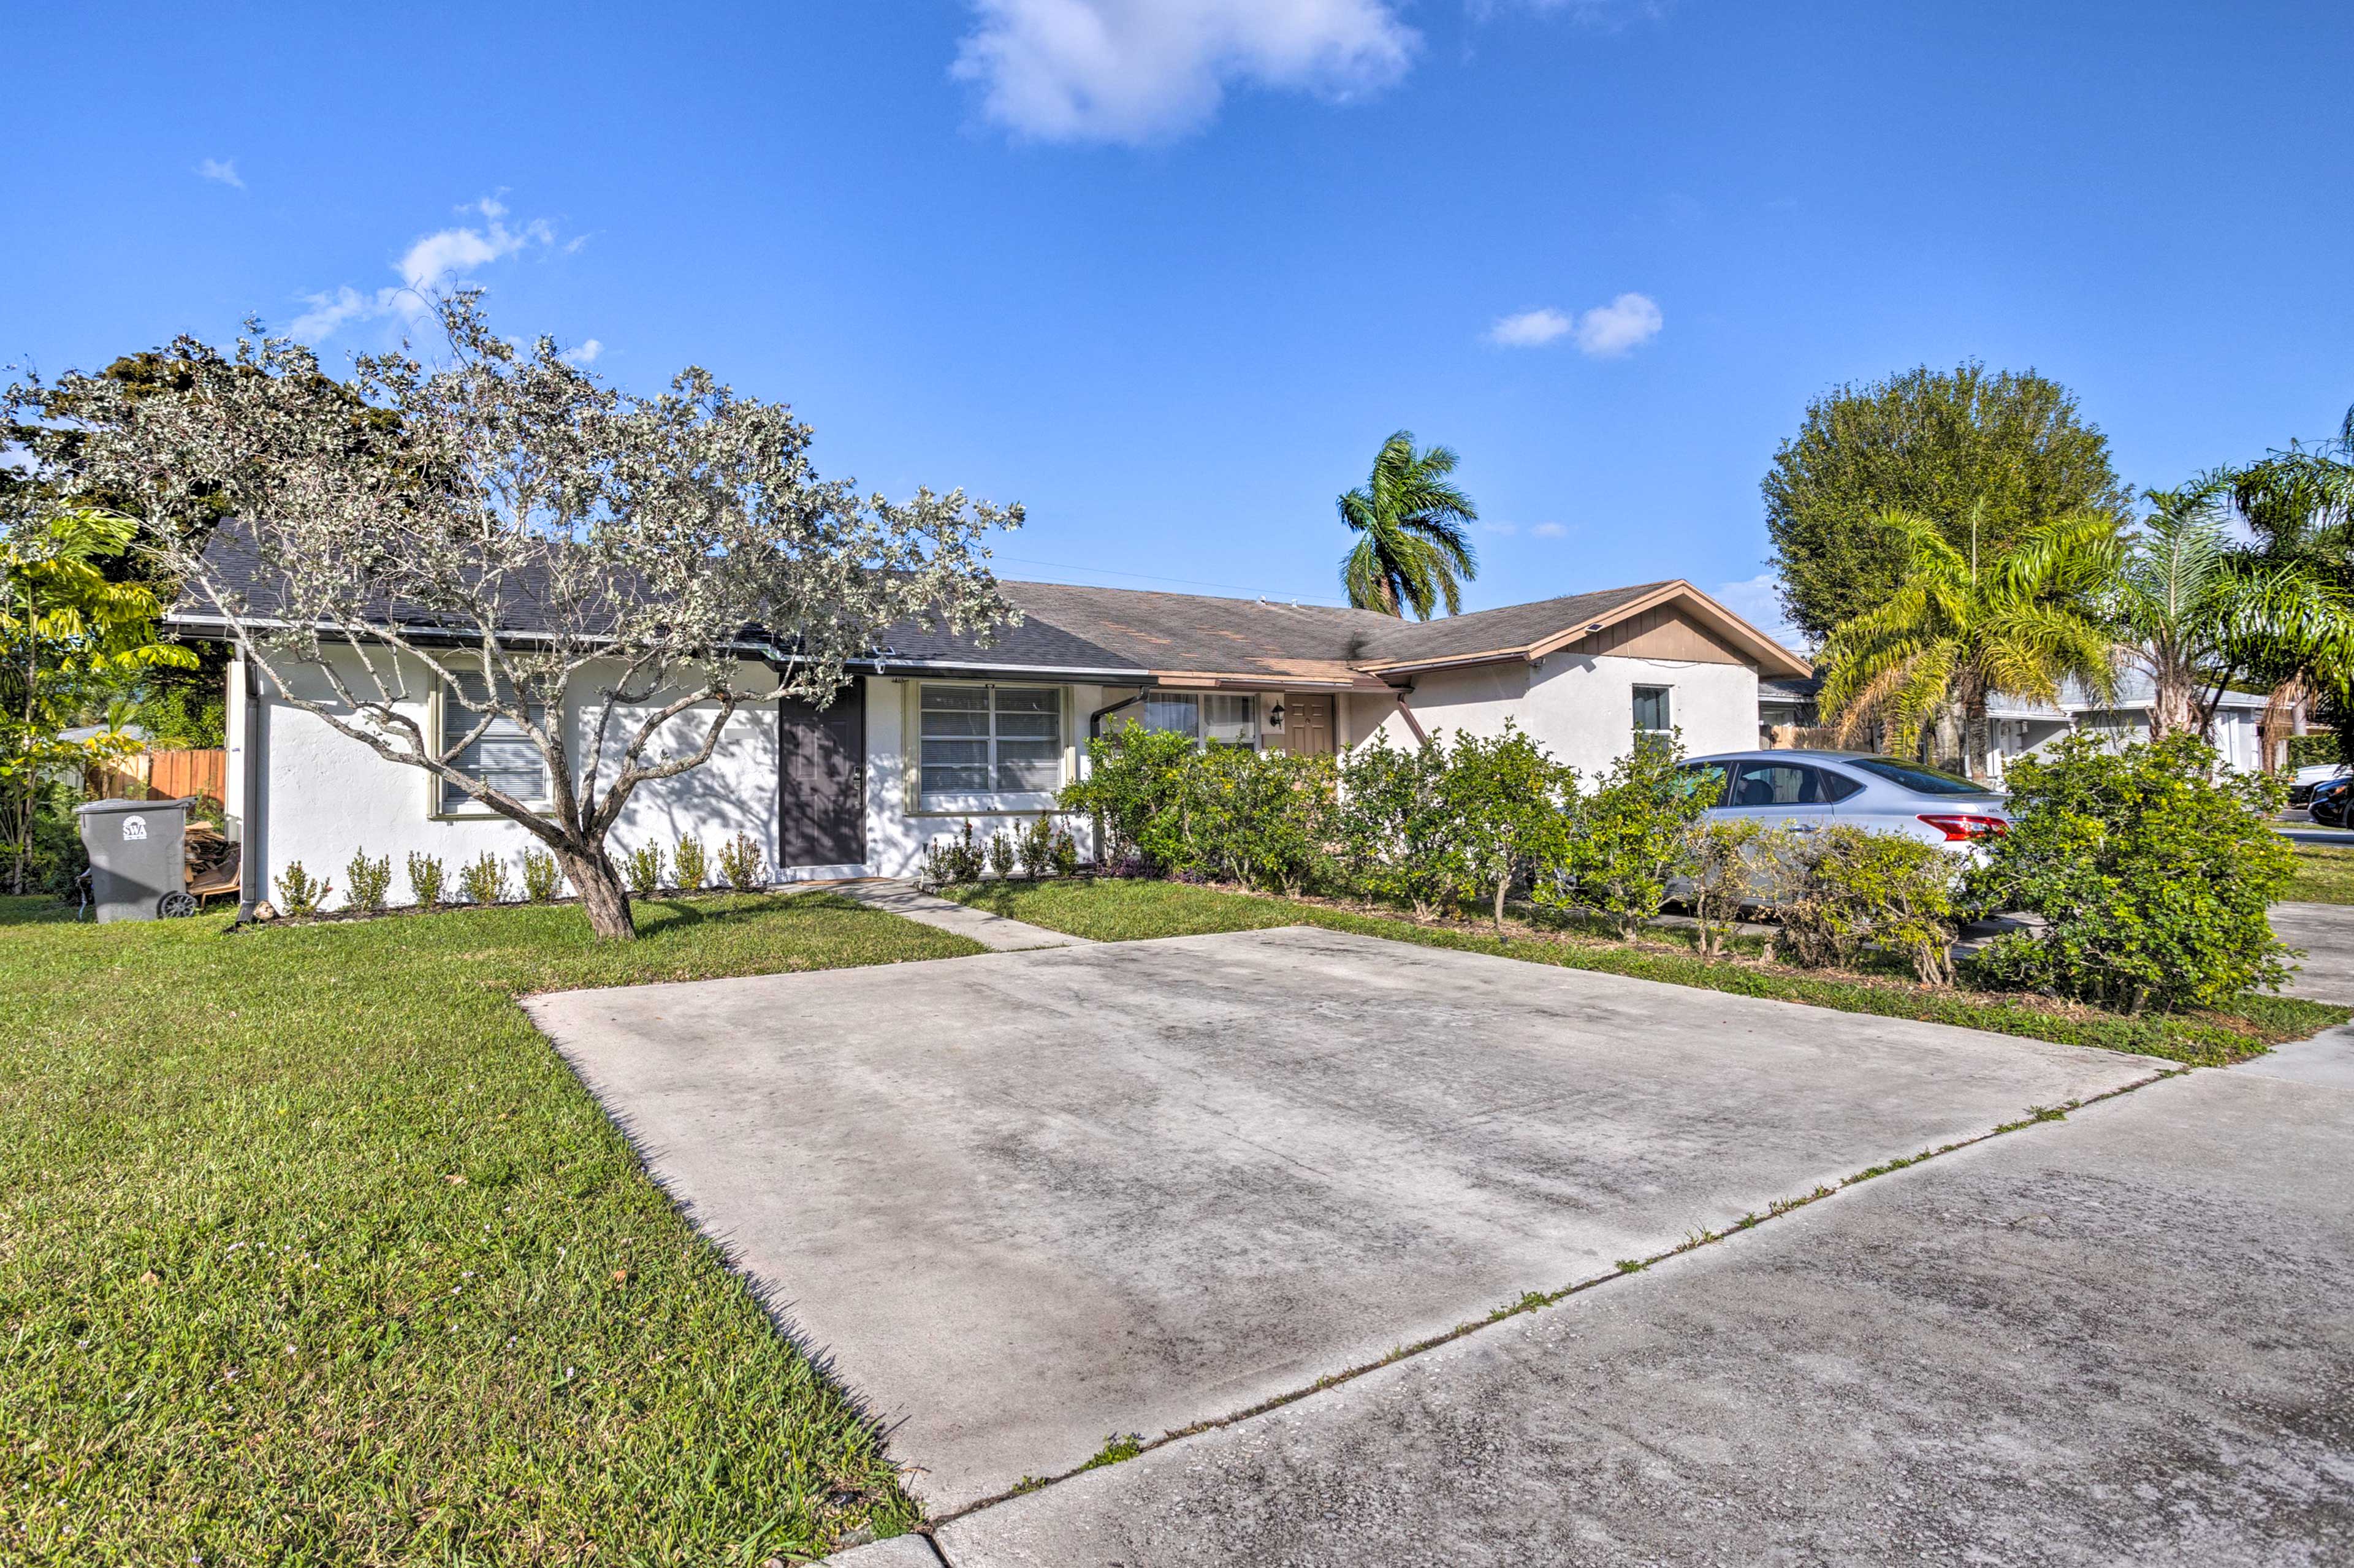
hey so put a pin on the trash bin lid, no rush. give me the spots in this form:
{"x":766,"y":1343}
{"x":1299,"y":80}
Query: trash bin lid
{"x":109,"y":808}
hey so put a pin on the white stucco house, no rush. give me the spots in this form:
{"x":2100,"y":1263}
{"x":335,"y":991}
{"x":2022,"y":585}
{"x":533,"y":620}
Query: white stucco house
{"x":933,"y":731}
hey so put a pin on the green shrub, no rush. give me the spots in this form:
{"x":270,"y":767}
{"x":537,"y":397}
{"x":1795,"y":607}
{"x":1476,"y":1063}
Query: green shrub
{"x":1264,"y":819}
{"x":367,"y":883}
{"x":953,"y":858}
{"x":1626,"y":841}
{"x":743,"y":864}
{"x":484,"y":880}
{"x":1134,"y":786}
{"x":300,"y":893}
{"x":692,"y":868}
{"x":2150,"y":872}
{"x":1846,"y":889}
{"x":1728,"y":866}
{"x":1510,"y":804}
{"x":642,"y":868}
{"x":1034,"y":846}
{"x":427,"y":878}
{"x":2314,"y":752}
{"x":1063,"y":854}
{"x":1397,"y":828}
{"x":1001,"y":854}
{"x":543,"y":878}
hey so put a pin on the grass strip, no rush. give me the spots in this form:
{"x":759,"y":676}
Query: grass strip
{"x":313,"y":1250}
{"x":1114,"y":910}
{"x":2325,"y":874}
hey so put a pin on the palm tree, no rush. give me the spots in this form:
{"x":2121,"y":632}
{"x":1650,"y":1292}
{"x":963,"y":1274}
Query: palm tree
{"x":1414,"y":552}
{"x":2200,"y":613}
{"x":1957,"y":631}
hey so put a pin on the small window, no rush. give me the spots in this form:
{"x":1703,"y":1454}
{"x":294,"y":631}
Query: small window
{"x":1213,"y":718}
{"x":980,"y":744}
{"x":1837,"y":786}
{"x":504,"y":756}
{"x":1652,"y":714}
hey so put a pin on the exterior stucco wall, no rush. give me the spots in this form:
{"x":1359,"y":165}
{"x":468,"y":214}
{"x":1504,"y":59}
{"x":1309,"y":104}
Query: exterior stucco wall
{"x":326,"y":796}
{"x":1580,"y":708}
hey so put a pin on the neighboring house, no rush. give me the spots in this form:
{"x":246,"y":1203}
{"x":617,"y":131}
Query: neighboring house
{"x":2020,"y":728}
{"x":933,"y":731}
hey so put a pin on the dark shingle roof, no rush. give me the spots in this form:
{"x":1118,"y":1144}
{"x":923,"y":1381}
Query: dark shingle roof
{"x":1114,"y":632}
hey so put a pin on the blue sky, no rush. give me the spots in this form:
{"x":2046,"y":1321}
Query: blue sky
{"x":1167,"y":271}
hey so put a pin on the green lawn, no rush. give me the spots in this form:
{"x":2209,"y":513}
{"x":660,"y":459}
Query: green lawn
{"x":2325,"y":874}
{"x":312,"y":1251}
{"x":1115,"y":911}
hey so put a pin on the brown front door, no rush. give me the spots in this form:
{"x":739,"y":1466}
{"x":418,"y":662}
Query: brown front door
{"x":822,"y":796}
{"x":1308,"y":723}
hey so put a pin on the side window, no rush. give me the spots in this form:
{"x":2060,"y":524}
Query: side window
{"x":1705,"y":779}
{"x":504,"y":756}
{"x":1776,"y":784}
{"x":1653,"y":713}
{"x":1837,"y":786}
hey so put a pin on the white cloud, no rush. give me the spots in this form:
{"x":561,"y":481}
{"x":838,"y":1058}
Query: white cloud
{"x":586,"y":354}
{"x":445,"y":257}
{"x":1529,"y":329}
{"x":1549,"y":531}
{"x":221,"y":169}
{"x":1627,"y":322}
{"x":1144,"y":71}
{"x":1758,"y":601}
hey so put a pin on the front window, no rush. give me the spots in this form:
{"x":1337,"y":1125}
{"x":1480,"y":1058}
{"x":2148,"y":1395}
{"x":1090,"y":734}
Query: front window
{"x":1211,"y":718}
{"x":1652,"y":714}
{"x":983,"y":744}
{"x":502,"y":756}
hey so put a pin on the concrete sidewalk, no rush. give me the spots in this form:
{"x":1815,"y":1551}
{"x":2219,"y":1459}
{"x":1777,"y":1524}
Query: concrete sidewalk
{"x":2120,"y":1339}
{"x":1026,"y":1201}
{"x":994,"y":931}
{"x":2326,"y":934}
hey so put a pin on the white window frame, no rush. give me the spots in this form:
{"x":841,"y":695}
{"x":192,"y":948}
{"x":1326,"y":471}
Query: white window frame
{"x":440,"y":803}
{"x":971,"y":803}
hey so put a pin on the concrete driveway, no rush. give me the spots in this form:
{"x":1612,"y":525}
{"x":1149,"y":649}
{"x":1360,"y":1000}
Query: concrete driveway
{"x":2124,"y":1339}
{"x":1026,"y":1201}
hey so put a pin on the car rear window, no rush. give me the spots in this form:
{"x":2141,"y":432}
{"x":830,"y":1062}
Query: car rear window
{"x":1914,"y":777}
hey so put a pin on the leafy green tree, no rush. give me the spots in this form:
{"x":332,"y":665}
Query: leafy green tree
{"x":2008,"y":448}
{"x":1413,"y":550}
{"x":1264,"y":819}
{"x":2198,"y":613}
{"x":1961,"y":624}
{"x":2298,"y":502}
{"x":1629,"y":839}
{"x":1511,"y":802}
{"x":71,"y":644}
{"x":2152,"y":869}
{"x":1134,"y":787}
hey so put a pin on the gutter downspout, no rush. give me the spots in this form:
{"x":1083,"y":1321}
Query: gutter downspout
{"x":1094,"y":732}
{"x":250,"y":863}
{"x":1406,"y":711}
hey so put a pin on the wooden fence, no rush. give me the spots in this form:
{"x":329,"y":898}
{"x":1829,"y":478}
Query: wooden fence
{"x":160,"y":776}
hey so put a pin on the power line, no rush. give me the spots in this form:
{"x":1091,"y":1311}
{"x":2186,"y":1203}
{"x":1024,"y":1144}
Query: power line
{"x":1183,"y":582}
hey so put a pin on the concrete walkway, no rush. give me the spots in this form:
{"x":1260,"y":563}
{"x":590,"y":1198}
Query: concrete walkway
{"x":1026,"y":1201}
{"x":2326,"y":934}
{"x":994,"y":931}
{"x":2119,"y":1338}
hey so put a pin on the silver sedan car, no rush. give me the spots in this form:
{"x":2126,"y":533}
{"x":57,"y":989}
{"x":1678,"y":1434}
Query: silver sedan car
{"x":1806,"y":790}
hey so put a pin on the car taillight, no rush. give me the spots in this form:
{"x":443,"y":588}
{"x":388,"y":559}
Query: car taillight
{"x":1958,"y":828}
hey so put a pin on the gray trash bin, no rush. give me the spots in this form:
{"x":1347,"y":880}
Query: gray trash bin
{"x":138,"y":858}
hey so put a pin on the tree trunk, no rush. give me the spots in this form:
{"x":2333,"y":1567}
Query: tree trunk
{"x":1975,"y":735}
{"x":602,"y":893}
{"x":1502,"y":882}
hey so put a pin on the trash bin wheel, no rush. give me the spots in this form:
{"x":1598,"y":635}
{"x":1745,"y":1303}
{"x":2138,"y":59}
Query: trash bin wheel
{"x":174,"y":906}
